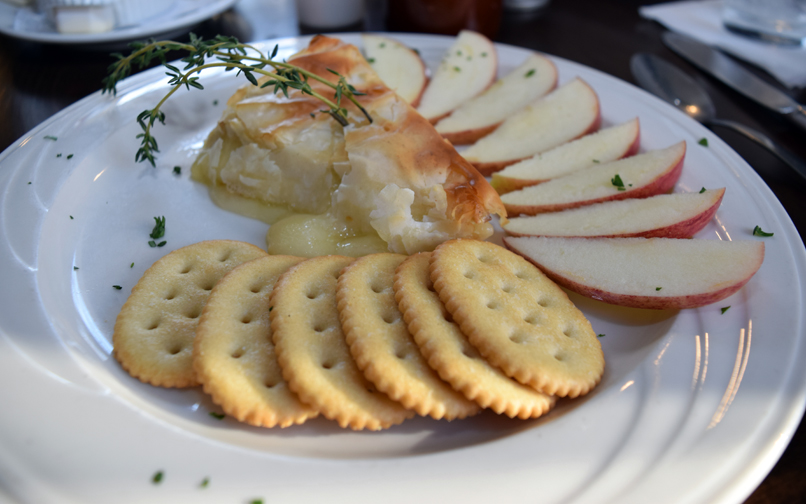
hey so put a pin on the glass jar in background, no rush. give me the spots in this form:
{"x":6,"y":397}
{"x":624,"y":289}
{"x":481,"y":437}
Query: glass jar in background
{"x":446,"y":17}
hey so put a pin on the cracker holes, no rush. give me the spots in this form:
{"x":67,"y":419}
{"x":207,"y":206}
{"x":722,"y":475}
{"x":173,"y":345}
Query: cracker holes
{"x":470,"y":274}
{"x":153,"y":325}
{"x":328,"y":364}
{"x":390,"y":318}
{"x":171,"y":295}
{"x":186,"y":269}
{"x":509,"y":289}
{"x":378,"y":288}
{"x":255,"y":288}
{"x":469,"y":352}
{"x":174,"y":350}
{"x":569,"y":332}
{"x":532,"y":319}
{"x":194,"y":312}
{"x":226,"y":255}
{"x":312,"y":294}
{"x":320,"y":328}
{"x":207,"y":285}
{"x":519,"y":338}
{"x":401,"y":353}
{"x":522,"y":275}
{"x":493,"y":304}
{"x":270,"y":384}
{"x":560,"y":356}
{"x":237,"y":354}
{"x":484,"y":258}
{"x":543,"y":302}
{"x":246,"y":319}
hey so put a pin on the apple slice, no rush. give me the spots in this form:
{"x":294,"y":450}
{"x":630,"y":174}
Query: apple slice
{"x":480,"y":115}
{"x":568,"y":112}
{"x":467,"y":68}
{"x":639,"y":176}
{"x":605,"y":145}
{"x":653,"y":273}
{"x":398,"y":66}
{"x":679,"y":215}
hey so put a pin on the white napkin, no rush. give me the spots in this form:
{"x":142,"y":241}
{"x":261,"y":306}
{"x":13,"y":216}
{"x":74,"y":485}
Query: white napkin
{"x":702,"y":20}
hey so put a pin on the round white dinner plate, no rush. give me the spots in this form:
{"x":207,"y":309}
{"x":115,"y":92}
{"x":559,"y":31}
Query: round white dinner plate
{"x":695,"y":405}
{"x":24,"y":23}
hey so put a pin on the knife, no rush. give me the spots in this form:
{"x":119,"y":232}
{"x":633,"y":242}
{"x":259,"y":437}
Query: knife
{"x":737,"y":77}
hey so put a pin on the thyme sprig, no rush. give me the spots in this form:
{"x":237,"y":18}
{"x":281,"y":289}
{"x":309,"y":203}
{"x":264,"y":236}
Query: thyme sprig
{"x":231,"y":54}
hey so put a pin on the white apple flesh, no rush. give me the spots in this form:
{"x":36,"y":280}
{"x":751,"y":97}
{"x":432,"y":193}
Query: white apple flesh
{"x":641,"y":176}
{"x":398,"y":66}
{"x":679,"y":215}
{"x":603,"y":146}
{"x":479,"y":116}
{"x":568,"y":112}
{"x":652,"y":273}
{"x":468,"y":67}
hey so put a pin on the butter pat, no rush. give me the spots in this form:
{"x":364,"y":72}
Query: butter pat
{"x":84,"y":19}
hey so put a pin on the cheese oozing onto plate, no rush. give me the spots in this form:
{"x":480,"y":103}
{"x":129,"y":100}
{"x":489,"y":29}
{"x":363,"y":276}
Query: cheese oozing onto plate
{"x":391,"y":184}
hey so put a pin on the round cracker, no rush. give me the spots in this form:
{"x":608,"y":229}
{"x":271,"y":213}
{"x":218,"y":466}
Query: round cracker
{"x":447,"y":350}
{"x":233,"y":353}
{"x":517,"y":318}
{"x":313,"y":354}
{"x":154,"y":331}
{"x":381,"y":344}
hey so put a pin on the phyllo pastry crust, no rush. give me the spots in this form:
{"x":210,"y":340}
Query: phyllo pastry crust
{"x":394,"y":177}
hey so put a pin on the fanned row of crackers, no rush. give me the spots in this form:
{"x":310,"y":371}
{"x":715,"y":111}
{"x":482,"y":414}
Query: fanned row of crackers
{"x":367,"y":342}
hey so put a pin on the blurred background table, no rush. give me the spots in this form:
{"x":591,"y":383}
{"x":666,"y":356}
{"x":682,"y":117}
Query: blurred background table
{"x":39,"y":80}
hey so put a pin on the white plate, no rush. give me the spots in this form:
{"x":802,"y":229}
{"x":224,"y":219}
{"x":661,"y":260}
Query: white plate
{"x":24,"y":23}
{"x":695,"y":406}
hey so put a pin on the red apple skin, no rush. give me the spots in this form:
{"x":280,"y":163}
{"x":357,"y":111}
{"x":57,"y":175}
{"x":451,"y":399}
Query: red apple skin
{"x":683,"y":229}
{"x":508,"y":184}
{"x":661,"y":184}
{"x":487,"y":169}
{"x":645,"y":302}
{"x":472,"y":135}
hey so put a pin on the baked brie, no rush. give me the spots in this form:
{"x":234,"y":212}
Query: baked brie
{"x":391,"y":184}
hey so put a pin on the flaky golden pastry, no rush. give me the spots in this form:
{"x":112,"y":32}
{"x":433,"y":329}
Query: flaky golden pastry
{"x":395,"y":177}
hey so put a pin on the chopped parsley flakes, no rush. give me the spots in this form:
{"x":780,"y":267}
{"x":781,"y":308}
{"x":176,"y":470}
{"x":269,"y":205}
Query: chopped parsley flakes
{"x":50,"y":137}
{"x":616,"y":181}
{"x":702,"y":190}
{"x":157,"y":478}
{"x":703,"y":141}
{"x":600,"y":335}
{"x":159,"y":228}
{"x":757,"y":231}
{"x":724,"y":309}
{"x":178,"y":170}
{"x":204,"y":483}
{"x":117,"y":287}
{"x":217,"y":416}
{"x":530,"y":73}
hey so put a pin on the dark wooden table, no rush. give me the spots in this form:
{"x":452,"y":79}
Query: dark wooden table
{"x":38,"y":80}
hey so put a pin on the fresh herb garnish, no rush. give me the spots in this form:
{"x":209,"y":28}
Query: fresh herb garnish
{"x":217,"y":416}
{"x":152,"y":243}
{"x":457,"y":69}
{"x":75,"y":268}
{"x":215,"y":103}
{"x":724,"y":309}
{"x":702,"y":190}
{"x":703,"y":141}
{"x":29,"y":183}
{"x":271,"y":308}
{"x":50,"y":137}
{"x":596,"y":161}
{"x":616,"y":181}
{"x":157,"y":478}
{"x":117,"y":287}
{"x":131,"y":265}
{"x":370,"y":60}
{"x":757,"y":231}
{"x":382,"y":45}
{"x":159,"y":228}
{"x":71,"y":218}
{"x":530,"y":73}
{"x":204,"y":483}
{"x":658,"y":288}
{"x":600,"y":335}
{"x":178,"y":170}
{"x":59,"y":155}
{"x":69,"y":156}
{"x":484,"y":55}
{"x":256,"y":501}
{"x":231,"y":54}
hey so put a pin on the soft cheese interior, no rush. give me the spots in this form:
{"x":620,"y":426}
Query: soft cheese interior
{"x":392,"y":184}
